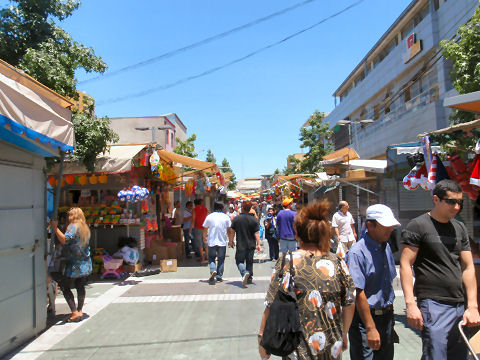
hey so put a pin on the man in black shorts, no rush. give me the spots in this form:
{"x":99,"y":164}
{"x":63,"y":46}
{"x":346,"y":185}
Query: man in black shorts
{"x":437,"y":247}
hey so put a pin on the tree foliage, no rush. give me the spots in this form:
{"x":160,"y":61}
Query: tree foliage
{"x":31,"y":40}
{"x":314,"y":137}
{"x":227,"y":169}
{"x":187,"y":147}
{"x":464,"y":52}
{"x":92,"y":135}
{"x":210,"y":157}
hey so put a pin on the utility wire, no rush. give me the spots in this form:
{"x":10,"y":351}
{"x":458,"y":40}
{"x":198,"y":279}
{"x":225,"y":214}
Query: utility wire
{"x":221,"y":67}
{"x":196,"y":44}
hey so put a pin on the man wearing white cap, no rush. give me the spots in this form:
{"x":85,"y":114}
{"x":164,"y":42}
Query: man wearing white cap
{"x":372,"y":268}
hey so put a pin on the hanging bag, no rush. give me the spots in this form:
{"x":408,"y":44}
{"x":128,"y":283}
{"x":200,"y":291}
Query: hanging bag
{"x":283,"y":333}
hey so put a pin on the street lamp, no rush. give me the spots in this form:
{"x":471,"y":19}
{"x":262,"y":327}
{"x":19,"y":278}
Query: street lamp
{"x":153,"y":128}
{"x":349,"y":123}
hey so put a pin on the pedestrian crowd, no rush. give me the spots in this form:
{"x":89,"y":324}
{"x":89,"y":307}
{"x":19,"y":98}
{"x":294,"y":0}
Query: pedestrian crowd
{"x":355,"y":296}
{"x":340,"y":302}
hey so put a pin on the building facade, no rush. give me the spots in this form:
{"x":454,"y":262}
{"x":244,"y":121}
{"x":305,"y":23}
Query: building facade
{"x":402,"y":81}
{"x":145,"y":129}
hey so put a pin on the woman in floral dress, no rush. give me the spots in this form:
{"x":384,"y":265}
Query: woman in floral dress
{"x":78,"y":263}
{"x":325,"y":289}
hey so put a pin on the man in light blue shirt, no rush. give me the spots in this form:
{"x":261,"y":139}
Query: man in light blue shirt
{"x":372,"y":268}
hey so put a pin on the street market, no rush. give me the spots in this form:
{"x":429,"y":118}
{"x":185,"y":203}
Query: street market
{"x":217,"y":184}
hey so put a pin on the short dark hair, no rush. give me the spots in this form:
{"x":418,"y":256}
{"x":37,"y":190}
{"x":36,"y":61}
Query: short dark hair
{"x":446,"y":185}
{"x":188,"y":203}
{"x":197,"y":201}
{"x":218,"y":206}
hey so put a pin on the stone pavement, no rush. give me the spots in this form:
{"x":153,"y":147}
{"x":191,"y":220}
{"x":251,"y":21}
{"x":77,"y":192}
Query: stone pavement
{"x":175,"y":316}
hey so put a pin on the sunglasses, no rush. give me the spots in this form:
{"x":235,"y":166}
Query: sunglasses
{"x":453,"y":201}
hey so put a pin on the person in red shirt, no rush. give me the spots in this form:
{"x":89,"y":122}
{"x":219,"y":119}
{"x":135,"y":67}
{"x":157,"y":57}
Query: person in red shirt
{"x":200,"y":212}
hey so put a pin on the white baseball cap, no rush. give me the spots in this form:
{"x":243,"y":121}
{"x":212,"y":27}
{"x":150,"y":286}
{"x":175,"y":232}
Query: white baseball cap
{"x":382,"y":214}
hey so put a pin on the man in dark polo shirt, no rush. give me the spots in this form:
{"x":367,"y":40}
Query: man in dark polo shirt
{"x":437,"y":247}
{"x":245,"y":228}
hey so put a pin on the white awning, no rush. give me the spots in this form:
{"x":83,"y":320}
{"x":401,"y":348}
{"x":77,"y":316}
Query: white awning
{"x":377,"y":166}
{"x":31,"y":110}
{"x":118,"y":159}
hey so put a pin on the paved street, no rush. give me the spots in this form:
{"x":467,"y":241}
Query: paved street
{"x":175,"y":316}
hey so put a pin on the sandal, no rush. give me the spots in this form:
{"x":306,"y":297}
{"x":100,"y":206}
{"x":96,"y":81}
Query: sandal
{"x":75,"y":319}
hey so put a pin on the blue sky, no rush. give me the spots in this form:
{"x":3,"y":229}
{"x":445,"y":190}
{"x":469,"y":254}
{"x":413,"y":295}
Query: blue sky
{"x":250,"y":112}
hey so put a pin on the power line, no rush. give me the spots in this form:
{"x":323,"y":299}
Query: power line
{"x":196,"y":44}
{"x":233,"y":62}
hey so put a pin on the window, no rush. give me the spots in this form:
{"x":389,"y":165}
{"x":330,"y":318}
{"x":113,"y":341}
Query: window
{"x":406,"y":94}
{"x":376,"y":112}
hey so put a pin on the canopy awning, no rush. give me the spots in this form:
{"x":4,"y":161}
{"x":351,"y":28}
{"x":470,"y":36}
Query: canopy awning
{"x":343,"y":155}
{"x":295,"y":176}
{"x":187,"y":161}
{"x":376,"y":166}
{"x":118,"y":159}
{"x":412,"y":148}
{"x":466,"y":102}
{"x":31,"y":115}
{"x":458,"y":127}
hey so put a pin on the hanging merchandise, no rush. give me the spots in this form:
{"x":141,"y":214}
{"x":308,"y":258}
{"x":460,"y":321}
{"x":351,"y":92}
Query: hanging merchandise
{"x":103,"y":179}
{"x":190,"y":188}
{"x":52,"y":181}
{"x":427,"y":151}
{"x":83,"y":180}
{"x":475,"y":176}
{"x":462,"y":175}
{"x":70,"y":179}
{"x":136,"y":193}
{"x":437,"y":172}
{"x":200,"y":189}
{"x":168,"y":174}
{"x":408,"y":179}
{"x":421,"y":177}
{"x":154,"y":161}
{"x":208,"y":184}
{"x":93,"y":179}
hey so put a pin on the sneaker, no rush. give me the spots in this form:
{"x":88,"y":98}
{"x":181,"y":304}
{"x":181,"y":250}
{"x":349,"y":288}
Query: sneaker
{"x":246,"y":276}
{"x":219,"y":279}
{"x":212,"y":276}
{"x":250,"y":280}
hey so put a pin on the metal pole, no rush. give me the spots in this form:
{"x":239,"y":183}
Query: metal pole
{"x":56,"y":201}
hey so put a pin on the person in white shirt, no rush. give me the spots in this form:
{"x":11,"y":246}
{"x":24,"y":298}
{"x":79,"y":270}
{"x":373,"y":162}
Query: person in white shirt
{"x":177,"y":216}
{"x":343,"y":224}
{"x":215,"y":226}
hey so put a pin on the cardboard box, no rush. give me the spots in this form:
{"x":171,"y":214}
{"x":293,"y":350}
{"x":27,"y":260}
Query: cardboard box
{"x":132,"y":268}
{"x":174,"y":234}
{"x":169,"y":265}
{"x":155,"y":254}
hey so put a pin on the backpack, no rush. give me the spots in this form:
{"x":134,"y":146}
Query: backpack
{"x":283,"y":333}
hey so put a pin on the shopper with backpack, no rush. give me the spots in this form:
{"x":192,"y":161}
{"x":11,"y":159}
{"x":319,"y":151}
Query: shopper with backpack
{"x":311,"y":286}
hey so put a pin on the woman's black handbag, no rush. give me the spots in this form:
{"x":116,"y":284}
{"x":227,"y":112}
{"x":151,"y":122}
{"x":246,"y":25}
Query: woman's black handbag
{"x":282,"y":333}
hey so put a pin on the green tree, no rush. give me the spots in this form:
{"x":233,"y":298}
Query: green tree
{"x":315,"y":137}
{"x":227,"y":168}
{"x":294,"y":167}
{"x":187,"y":147}
{"x":464,"y":52}
{"x":92,"y":135}
{"x":31,"y":40}
{"x":210,"y":157}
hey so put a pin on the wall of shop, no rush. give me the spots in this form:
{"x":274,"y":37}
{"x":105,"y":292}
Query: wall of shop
{"x":22,"y":246}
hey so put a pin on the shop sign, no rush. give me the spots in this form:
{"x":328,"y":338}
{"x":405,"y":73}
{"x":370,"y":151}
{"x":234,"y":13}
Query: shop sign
{"x":85,"y":193}
{"x":414,"y":47}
